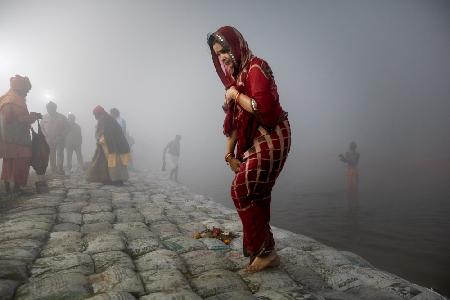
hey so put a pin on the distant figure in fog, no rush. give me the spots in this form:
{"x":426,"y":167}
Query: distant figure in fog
{"x":55,"y":127}
{"x":258,"y":139}
{"x":351,"y":158}
{"x":115,"y":113}
{"x":171,"y":156}
{"x":15,"y":139}
{"x":74,"y":140}
{"x":110,"y":161}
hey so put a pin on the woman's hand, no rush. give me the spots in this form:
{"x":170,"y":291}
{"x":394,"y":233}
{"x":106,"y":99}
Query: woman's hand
{"x":230,"y":94}
{"x":234,"y":164}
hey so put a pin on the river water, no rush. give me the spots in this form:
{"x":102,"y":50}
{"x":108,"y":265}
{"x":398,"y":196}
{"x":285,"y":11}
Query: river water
{"x":403,"y":231}
{"x":400,"y":228}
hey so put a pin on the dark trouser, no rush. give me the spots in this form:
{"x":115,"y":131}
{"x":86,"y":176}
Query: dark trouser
{"x":70,"y":149}
{"x":56,"y":157}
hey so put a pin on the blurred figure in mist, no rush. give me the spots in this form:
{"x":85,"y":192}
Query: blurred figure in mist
{"x":55,"y":127}
{"x":351,"y":158}
{"x":15,"y":138}
{"x":171,"y":156}
{"x":74,"y":140}
{"x":111,"y":157}
{"x":115,"y":113}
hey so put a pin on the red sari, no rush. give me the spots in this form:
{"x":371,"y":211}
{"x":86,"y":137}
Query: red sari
{"x":263,"y":139}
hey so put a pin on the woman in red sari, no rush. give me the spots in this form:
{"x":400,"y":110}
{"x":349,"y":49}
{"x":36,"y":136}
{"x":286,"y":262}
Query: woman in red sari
{"x":258,"y":139}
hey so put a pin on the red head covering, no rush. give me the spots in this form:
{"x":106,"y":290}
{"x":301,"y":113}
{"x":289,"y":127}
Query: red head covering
{"x":230,"y":38}
{"x":20,"y":83}
{"x":245,"y":123}
{"x":98,"y":111}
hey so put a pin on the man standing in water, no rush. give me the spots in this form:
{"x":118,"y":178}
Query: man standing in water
{"x":171,"y":155}
{"x":351,"y":158}
{"x":55,"y":128}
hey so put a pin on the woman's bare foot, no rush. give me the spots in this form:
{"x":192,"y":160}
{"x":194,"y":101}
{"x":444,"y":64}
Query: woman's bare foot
{"x":261,"y":263}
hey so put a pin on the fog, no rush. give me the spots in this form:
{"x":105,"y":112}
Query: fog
{"x":376,"y":72}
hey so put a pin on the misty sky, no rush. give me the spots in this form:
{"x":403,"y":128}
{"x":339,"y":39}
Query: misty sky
{"x":377,"y":72}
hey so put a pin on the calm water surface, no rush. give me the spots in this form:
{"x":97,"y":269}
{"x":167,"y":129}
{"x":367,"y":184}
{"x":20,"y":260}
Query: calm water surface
{"x":404,"y":230}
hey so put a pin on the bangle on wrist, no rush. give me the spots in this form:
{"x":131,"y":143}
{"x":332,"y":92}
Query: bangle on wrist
{"x":236,"y":99}
{"x":229,"y":156}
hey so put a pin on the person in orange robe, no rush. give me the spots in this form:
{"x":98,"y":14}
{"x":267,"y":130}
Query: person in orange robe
{"x":351,"y":158}
{"x":15,"y":139}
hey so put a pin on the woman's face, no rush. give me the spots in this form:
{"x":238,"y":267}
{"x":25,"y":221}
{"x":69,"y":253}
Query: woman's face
{"x":224,"y":56}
